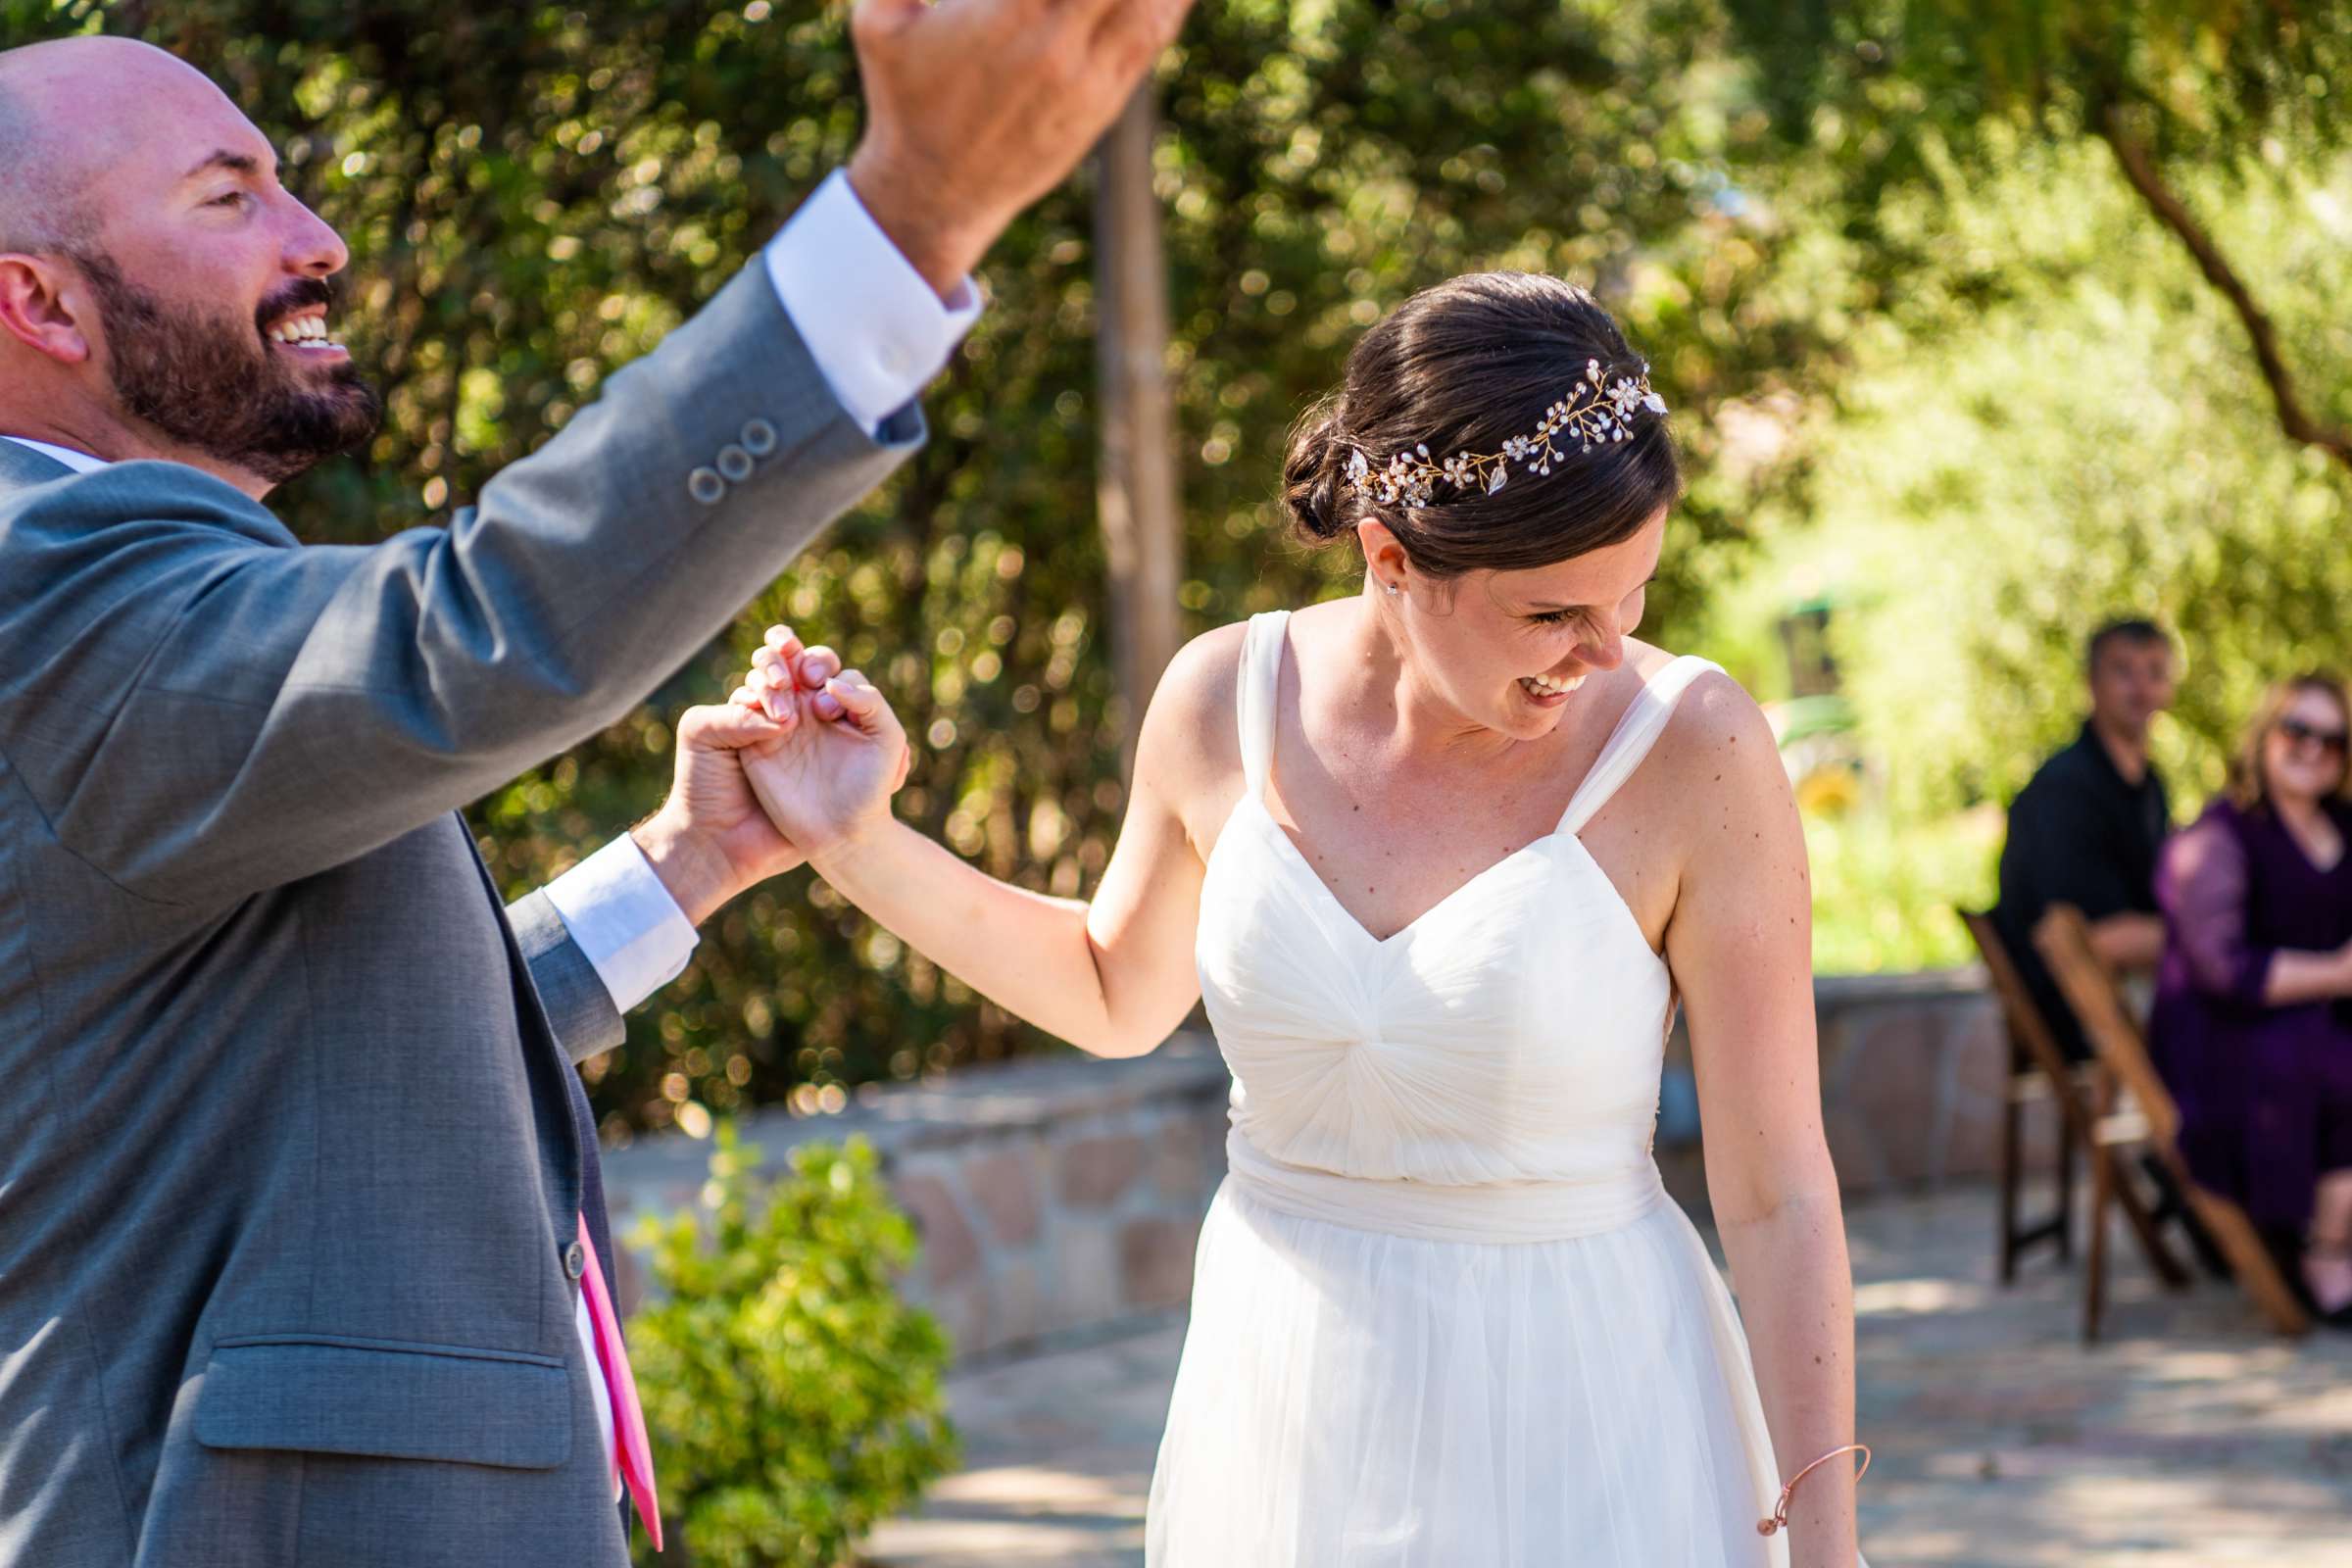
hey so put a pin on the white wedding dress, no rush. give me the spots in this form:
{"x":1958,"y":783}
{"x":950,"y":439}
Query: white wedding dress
{"x":1444,"y":1314}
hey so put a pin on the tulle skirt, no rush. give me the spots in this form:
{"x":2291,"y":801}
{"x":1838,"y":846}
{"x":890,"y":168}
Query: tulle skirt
{"x":1352,"y":1398}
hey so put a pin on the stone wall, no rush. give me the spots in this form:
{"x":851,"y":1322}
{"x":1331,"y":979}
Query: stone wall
{"x":1913,"y":1069}
{"x":1052,"y":1194}
{"x":1063,"y":1193}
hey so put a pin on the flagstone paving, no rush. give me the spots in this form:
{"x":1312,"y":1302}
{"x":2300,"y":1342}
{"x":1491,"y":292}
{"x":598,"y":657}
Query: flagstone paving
{"x":2187,"y":1439}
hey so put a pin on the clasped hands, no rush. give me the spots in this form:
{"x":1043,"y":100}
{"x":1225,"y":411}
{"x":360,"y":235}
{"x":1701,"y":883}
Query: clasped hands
{"x":801,"y":762}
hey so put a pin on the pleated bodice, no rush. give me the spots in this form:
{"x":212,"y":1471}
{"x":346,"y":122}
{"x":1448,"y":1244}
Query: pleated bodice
{"x":1512,"y":1034}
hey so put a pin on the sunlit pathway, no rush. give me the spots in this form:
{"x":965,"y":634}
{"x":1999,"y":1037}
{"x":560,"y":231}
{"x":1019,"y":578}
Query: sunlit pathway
{"x":2188,"y":1438}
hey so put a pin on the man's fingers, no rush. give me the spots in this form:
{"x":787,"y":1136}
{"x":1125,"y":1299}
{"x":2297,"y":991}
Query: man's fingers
{"x":726,"y":728}
{"x":818,"y":665}
{"x":772,"y":690}
{"x":782,"y":669}
{"x":811,"y":668}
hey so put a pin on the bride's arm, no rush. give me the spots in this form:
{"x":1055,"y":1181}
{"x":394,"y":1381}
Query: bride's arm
{"x":1113,"y":976}
{"x":1740,"y":944}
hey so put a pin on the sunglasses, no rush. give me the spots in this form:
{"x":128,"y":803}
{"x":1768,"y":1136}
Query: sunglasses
{"x":2333,"y":740}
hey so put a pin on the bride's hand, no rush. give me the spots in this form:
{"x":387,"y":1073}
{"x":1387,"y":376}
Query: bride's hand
{"x":828,"y":783}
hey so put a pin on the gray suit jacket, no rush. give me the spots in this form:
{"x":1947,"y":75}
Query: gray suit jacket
{"x":289,"y":1160}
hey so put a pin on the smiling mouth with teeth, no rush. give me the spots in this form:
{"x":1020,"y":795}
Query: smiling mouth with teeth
{"x":1547,"y":686}
{"x":305,"y":332}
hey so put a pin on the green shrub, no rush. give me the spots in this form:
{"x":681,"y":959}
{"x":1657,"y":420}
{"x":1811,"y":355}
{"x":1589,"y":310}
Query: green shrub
{"x":1884,"y":886}
{"x":794,"y":1400}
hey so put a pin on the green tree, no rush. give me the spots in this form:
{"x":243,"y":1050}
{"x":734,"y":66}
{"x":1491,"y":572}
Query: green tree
{"x":2196,"y":101}
{"x":534,"y":194}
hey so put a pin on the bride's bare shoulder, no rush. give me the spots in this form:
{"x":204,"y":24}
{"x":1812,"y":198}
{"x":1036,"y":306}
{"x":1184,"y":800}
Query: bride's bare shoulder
{"x":1190,"y":729}
{"x":1206,"y":669}
{"x":1720,"y":740}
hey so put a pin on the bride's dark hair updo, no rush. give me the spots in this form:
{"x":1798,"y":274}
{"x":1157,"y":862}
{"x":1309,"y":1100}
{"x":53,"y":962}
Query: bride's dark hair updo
{"x":1465,"y":366}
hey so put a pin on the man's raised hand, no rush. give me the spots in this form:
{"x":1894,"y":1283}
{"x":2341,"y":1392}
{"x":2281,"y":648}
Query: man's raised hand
{"x":976,"y":108}
{"x":711,"y":840}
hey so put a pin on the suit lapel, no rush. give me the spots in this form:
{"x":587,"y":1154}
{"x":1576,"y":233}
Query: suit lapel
{"x":552,"y":1068}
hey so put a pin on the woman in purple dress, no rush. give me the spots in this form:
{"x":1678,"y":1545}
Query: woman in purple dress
{"x":2252,"y":1027}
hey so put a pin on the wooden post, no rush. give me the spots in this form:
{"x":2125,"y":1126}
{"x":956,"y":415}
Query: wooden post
{"x":1136,"y":493}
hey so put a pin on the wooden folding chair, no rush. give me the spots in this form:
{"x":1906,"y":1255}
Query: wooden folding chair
{"x":2064,"y":938}
{"x":2040,"y":1071}
{"x":2035,"y":1065}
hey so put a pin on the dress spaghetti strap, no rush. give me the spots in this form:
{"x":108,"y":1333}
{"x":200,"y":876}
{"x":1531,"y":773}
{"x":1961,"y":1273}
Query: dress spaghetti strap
{"x":1255,"y":695}
{"x":1645,"y":720}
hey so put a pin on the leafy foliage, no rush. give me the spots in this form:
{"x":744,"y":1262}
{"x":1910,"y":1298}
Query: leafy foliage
{"x":534,"y":194}
{"x":1902,"y":96}
{"x":794,"y":1400}
{"x":1920,"y":344}
{"x":1896,"y":76}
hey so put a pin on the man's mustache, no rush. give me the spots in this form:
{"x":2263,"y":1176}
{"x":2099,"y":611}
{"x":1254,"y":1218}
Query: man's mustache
{"x":301,"y":292}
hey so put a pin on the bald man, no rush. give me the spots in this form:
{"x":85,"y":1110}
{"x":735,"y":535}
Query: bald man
{"x":302,"y":1257}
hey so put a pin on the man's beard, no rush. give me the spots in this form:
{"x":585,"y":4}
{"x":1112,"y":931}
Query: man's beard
{"x":215,"y":384}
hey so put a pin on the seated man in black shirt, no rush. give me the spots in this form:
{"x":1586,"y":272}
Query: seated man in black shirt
{"x":2086,"y":831}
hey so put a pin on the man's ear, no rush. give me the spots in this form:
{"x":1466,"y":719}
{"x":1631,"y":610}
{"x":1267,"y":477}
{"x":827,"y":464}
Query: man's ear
{"x":42,"y":305}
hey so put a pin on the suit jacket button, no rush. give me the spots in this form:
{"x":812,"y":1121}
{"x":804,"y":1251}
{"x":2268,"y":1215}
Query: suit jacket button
{"x":759,"y":437}
{"x":575,"y":1261}
{"x":706,"y":486}
{"x":735,"y":464}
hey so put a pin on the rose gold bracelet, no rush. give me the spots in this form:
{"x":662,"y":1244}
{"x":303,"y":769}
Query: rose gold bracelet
{"x":1780,"y":1513}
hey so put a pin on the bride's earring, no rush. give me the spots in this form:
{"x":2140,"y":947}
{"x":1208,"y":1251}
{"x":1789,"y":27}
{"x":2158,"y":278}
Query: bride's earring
{"x":1392,"y":589}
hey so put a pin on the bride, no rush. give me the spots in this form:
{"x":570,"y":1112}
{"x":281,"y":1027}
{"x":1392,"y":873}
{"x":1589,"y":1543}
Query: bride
{"x":1439,"y":859}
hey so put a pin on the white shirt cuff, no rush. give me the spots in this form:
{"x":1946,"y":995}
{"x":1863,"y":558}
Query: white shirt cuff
{"x":877,"y":331}
{"x":624,"y":920}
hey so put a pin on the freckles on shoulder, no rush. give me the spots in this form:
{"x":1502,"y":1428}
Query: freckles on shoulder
{"x":1727,"y":778}
{"x":1720,"y":740}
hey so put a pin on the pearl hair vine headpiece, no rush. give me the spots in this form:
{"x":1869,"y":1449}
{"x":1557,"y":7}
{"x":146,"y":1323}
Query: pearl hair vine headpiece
{"x":1597,"y":412}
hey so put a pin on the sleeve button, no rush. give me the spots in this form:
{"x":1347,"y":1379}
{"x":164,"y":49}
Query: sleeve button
{"x":706,"y":486}
{"x":735,"y":464}
{"x":575,"y":1261}
{"x":759,"y":437}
